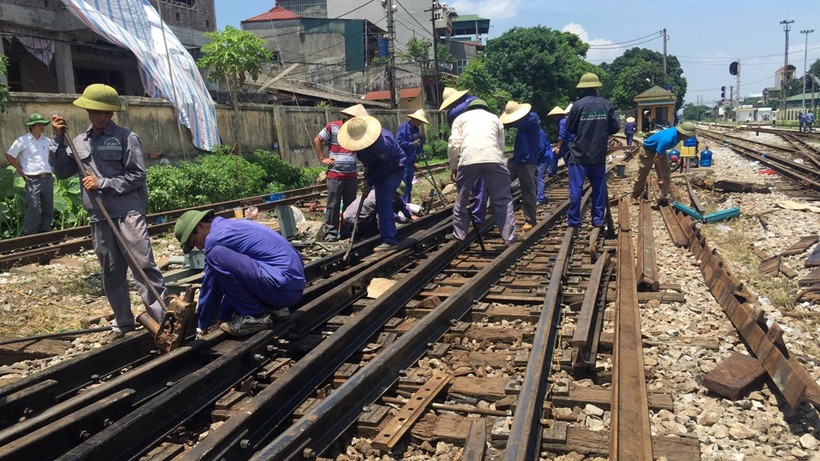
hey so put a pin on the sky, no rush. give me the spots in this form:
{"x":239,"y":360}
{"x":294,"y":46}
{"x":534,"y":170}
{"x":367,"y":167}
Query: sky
{"x":705,"y":35}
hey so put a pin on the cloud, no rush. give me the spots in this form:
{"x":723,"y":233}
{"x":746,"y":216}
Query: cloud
{"x":492,"y":9}
{"x":595,"y":55}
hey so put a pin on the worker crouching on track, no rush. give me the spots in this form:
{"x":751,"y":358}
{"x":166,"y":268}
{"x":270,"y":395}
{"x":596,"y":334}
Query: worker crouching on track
{"x":115,"y":169}
{"x":368,"y":224}
{"x":656,"y":147}
{"x":251,"y":271}
{"x":383,"y":161}
{"x":476,"y":149}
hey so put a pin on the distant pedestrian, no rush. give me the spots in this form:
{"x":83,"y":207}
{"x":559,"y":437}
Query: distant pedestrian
{"x":630,"y":128}
{"x":252,"y":273}
{"x":411,"y":140}
{"x":28,"y":155}
{"x":527,"y":148}
{"x":801,"y":121}
{"x":657,"y":147}
{"x":560,"y":147}
{"x":809,"y":121}
{"x":114,"y":165}
{"x":383,"y":160}
{"x":342,"y":177}
{"x":476,"y":149}
{"x":592,"y":121}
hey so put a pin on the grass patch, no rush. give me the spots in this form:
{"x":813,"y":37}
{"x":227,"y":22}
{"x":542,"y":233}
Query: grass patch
{"x":737,"y":248}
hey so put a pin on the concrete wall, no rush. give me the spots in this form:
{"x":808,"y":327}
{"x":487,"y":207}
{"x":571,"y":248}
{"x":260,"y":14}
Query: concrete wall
{"x":288,"y":130}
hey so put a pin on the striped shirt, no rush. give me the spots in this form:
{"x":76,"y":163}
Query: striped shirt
{"x":345,"y":161}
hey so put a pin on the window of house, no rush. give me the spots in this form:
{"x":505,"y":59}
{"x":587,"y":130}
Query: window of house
{"x":461,"y":64}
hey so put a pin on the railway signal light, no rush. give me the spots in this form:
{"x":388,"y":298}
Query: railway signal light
{"x":722,"y":92}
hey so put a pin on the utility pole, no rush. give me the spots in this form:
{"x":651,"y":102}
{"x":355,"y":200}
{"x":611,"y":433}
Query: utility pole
{"x":805,"y":65}
{"x":786,"y":28}
{"x":391,"y":32}
{"x":665,"y":37}
{"x":737,"y":111}
{"x":433,"y":8}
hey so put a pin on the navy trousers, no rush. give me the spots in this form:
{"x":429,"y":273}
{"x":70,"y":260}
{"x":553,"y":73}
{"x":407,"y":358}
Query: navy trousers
{"x":596,"y":174}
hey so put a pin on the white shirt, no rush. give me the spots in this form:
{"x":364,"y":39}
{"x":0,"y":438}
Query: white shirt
{"x":477,"y":136}
{"x":32,"y":153}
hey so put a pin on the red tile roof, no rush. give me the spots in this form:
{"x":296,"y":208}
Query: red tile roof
{"x":383,"y":95}
{"x":276,"y":14}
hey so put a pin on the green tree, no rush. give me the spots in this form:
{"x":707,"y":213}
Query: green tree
{"x":478,"y":80}
{"x":630,"y":72}
{"x":4,"y":89}
{"x":692,"y":112}
{"x":814,"y":69}
{"x":538,"y":65}
{"x":443,"y":54}
{"x":231,"y":55}
{"x":418,"y":51}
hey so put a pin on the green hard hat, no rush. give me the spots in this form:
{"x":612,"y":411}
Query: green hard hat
{"x":687,"y":129}
{"x":479,"y":103}
{"x":588,"y":80}
{"x":185,"y":226}
{"x":100,"y":97}
{"x":36,"y":119}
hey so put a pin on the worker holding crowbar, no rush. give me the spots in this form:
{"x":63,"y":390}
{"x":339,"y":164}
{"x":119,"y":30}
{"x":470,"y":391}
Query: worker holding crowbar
{"x":109,"y":160}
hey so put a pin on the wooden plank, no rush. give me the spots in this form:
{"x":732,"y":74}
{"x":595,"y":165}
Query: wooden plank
{"x":734,"y":377}
{"x":490,"y":389}
{"x":476,"y":442}
{"x":592,"y":443}
{"x":801,"y":245}
{"x":395,"y":429}
{"x":601,"y":398}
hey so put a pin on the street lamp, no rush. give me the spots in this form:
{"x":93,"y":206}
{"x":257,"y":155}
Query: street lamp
{"x":805,"y":65}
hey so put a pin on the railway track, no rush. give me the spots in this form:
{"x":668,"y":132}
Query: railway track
{"x":41,"y":248}
{"x":803,"y":179}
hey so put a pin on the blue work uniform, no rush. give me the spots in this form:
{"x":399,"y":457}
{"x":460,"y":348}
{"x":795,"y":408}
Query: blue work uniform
{"x":523,"y":162}
{"x":249,"y":269}
{"x":592,"y":121}
{"x":629,"y":130}
{"x":406,"y":137}
{"x":545,"y":159}
{"x":384,"y":162}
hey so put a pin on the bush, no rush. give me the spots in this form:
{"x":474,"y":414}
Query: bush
{"x":277,"y":171}
{"x":436,"y":149}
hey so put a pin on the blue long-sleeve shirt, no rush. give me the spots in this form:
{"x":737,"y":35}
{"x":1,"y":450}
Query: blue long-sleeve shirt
{"x":544,"y":148}
{"x":279,"y":263}
{"x":528,"y":140}
{"x":405,"y":136}
{"x":459,"y":109}
{"x":383,"y":158}
{"x":630,"y":128}
{"x":662,"y":141}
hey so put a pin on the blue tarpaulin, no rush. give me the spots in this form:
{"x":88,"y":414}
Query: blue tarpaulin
{"x":136,"y":25}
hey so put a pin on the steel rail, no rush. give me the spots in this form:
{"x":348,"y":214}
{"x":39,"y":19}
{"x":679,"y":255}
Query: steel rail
{"x":784,"y":167}
{"x":630,"y":436}
{"x":526,"y":426}
{"x":323,"y":424}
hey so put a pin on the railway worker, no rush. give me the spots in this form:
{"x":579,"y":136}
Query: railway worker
{"x":251,"y":272}
{"x":559,"y":117}
{"x":657,"y":146}
{"x":527,"y":150}
{"x":115,"y":170}
{"x":809,"y":120}
{"x":801,"y":121}
{"x":542,"y":167}
{"x":455,"y":102}
{"x":342,"y":177}
{"x":368,"y":223}
{"x":383,"y":161}
{"x":630,"y":128}
{"x":411,"y":140}
{"x":28,"y":155}
{"x":476,"y":149}
{"x":592,"y":121}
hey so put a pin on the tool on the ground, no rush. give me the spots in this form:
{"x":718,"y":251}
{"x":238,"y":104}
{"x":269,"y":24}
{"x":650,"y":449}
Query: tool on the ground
{"x":171,"y":332}
{"x":355,"y":225}
{"x":54,"y":335}
{"x":431,"y":178}
{"x":475,"y":227}
{"x":145,"y":320}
